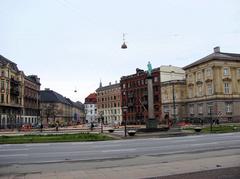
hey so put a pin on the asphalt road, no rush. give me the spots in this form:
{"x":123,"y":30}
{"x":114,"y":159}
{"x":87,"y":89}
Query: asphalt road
{"x":173,"y":155}
{"x":78,"y":151}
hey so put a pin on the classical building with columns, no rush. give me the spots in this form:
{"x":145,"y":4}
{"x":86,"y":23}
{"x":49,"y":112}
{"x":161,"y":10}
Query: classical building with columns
{"x":213,"y":87}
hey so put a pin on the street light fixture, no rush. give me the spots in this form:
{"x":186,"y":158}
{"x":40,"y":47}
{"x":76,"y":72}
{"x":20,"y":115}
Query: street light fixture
{"x":124,"y":46}
{"x":125,"y":108}
{"x":101,"y":120}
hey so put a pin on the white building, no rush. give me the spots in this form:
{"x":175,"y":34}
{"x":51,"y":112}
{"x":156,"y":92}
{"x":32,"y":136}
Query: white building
{"x":169,"y":73}
{"x":91,"y":108}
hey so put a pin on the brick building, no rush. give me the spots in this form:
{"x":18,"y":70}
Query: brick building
{"x":109,"y":103}
{"x":135,"y":96}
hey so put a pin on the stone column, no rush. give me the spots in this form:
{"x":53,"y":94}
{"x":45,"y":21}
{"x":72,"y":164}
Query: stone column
{"x":150,"y":98}
{"x":151,"y":122}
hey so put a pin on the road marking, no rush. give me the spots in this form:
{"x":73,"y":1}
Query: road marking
{"x":14,"y":155}
{"x":118,"y":150}
{"x":209,"y":143}
{"x":80,"y":143}
{"x":37,"y":145}
{"x":3,"y":150}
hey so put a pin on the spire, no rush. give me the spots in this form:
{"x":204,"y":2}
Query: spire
{"x":100,"y":85}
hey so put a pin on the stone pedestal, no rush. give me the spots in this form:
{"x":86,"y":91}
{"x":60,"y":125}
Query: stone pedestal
{"x":151,"y":122}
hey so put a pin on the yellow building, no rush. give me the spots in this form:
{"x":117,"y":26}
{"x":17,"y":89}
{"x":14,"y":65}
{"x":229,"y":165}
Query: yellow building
{"x":173,"y":99}
{"x":213,"y":87}
{"x":11,"y":94}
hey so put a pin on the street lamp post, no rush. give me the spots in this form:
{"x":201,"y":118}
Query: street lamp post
{"x":174,"y":103}
{"x":101,"y":118}
{"x":125,"y":108}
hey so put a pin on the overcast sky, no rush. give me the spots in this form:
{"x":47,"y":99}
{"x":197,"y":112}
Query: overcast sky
{"x":72,"y":44}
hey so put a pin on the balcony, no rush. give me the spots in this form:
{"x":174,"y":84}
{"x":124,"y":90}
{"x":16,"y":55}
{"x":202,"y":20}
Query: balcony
{"x":14,"y":91}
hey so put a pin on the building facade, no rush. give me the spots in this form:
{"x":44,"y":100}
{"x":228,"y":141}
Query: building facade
{"x":31,"y":110}
{"x":173,"y":100}
{"x":109,"y":103}
{"x":90,"y":106}
{"x":11,"y":94}
{"x":173,"y":90}
{"x":78,"y":112}
{"x":55,"y":108}
{"x":213,"y":87}
{"x":169,"y":73}
{"x":135,"y":96}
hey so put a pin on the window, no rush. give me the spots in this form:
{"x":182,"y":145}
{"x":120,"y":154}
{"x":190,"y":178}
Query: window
{"x":210,"y":108}
{"x":124,"y":86}
{"x":208,"y":72}
{"x":226,"y":88}
{"x":228,"y":107}
{"x":200,"y":90}
{"x":225,"y":71}
{"x":191,"y":109}
{"x":176,"y":110}
{"x":3,"y":73}
{"x":190,"y":77}
{"x":238,"y":72}
{"x":2,"y":85}
{"x":2,"y":98}
{"x":190,"y":92}
{"x":165,"y":109}
{"x":199,"y":75}
{"x":200,"y":108}
{"x":155,"y":79}
{"x":209,"y":89}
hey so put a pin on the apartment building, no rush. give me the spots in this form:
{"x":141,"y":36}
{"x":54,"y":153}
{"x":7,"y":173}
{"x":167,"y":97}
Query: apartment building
{"x":135,"y":96}
{"x":109,"y":103}
{"x":11,"y":94}
{"x":213,"y":87}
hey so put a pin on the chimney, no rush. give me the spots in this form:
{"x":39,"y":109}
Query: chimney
{"x":109,"y":83}
{"x":216,"y":49}
{"x":47,"y":89}
{"x":116,"y":82}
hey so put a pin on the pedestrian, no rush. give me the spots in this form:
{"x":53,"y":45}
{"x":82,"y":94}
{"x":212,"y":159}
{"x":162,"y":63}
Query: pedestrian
{"x":41,"y":127}
{"x":92,"y":126}
{"x":57,"y":126}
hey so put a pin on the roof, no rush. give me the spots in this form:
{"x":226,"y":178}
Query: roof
{"x":215,"y":56}
{"x":79,"y":105}
{"x":49,"y":96}
{"x":33,"y":78}
{"x":112,"y":86}
{"x":91,"y":98}
{"x":140,"y":72}
{"x":4,"y":61}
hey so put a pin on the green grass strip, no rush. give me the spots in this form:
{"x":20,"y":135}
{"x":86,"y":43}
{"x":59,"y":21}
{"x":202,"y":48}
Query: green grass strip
{"x":80,"y":137}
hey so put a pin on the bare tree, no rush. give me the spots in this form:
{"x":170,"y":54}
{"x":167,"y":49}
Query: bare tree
{"x":49,"y":110}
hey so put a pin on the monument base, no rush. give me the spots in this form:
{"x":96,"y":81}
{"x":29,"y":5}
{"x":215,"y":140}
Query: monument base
{"x":151,"y":124}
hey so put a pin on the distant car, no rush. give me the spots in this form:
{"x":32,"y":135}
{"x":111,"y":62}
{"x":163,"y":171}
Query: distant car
{"x":36,"y":126}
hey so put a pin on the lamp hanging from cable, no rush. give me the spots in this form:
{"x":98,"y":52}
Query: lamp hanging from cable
{"x":124,"y":46}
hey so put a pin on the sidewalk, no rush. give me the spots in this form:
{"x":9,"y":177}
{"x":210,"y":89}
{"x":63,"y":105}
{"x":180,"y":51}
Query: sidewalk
{"x":137,"y":171}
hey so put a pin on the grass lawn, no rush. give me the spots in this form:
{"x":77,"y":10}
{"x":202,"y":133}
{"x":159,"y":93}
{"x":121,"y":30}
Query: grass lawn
{"x":223,"y":128}
{"x":80,"y":137}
